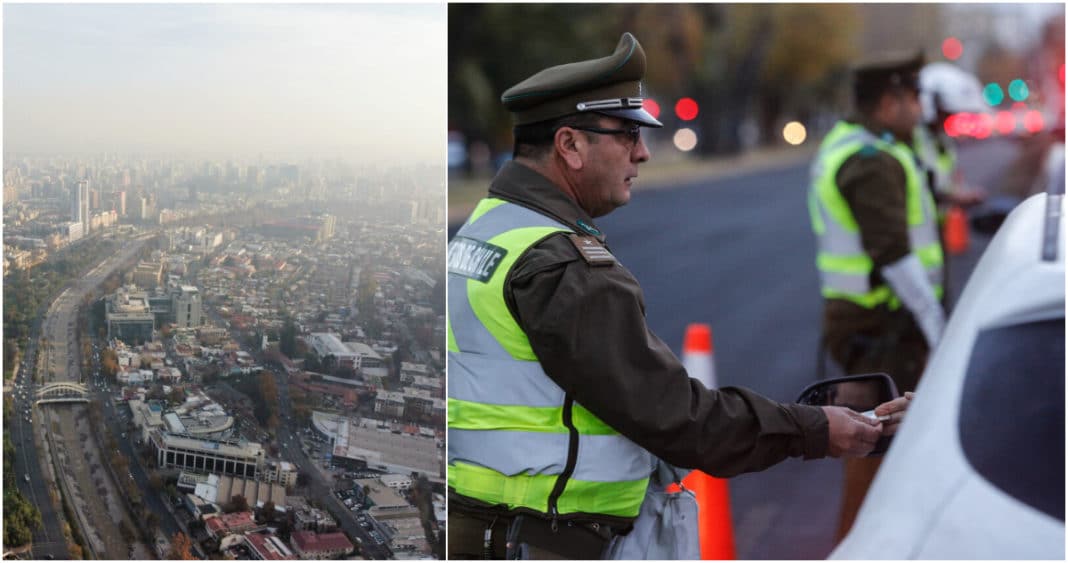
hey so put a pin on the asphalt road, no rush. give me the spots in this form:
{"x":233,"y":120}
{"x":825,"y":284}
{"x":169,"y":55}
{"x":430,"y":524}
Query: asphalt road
{"x":48,"y":540}
{"x":738,"y":253}
{"x":58,"y":363}
{"x":318,"y":487}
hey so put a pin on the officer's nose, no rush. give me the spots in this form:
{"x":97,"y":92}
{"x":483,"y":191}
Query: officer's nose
{"x":641,"y":151}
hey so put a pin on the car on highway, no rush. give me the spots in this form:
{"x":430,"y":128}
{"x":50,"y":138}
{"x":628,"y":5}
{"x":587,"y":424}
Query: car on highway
{"x":976,"y":470}
{"x":26,"y":477}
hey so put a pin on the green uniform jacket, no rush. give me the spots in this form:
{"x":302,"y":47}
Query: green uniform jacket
{"x":586,"y":325}
{"x":873,"y":184}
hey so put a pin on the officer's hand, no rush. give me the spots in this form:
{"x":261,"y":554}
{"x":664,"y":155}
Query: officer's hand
{"x":851,"y":433}
{"x":896,"y":411}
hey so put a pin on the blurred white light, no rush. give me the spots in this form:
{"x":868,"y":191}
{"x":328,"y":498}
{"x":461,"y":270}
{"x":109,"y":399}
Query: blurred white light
{"x":685,"y":139}
{"x":794,"y":133}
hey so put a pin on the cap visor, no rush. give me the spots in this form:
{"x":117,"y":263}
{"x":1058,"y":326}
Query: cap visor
{"x":638,"y":115}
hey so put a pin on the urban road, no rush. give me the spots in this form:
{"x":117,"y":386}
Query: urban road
{"x":738,"y":253}
{"x":60,"y":364}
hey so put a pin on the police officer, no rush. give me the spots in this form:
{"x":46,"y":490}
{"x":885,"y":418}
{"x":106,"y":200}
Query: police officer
{"x":879,"y":255}
{"x":945,"y":90}
{"x":559,"y":395}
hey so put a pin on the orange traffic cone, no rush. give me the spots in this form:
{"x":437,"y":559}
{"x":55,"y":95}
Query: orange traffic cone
{"x":955,"y":232}
{"x":713,"y":496}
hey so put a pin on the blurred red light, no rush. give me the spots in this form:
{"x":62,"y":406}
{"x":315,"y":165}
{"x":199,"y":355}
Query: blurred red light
{"x":1033,"y":121}
{"x":952,"y":48}
{"x":1061,"y":74}
{"x":650,"y":105}
{"x":1005,"y":122}
{"x":686,"y":109}
{"x":984,"y":126}
{"x":1019,"y":106}
{"x":964,"y":124}
{"x":954,"y":125}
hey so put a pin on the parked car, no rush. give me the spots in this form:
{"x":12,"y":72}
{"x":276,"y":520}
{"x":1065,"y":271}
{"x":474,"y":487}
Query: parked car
{"x":976,"y":470}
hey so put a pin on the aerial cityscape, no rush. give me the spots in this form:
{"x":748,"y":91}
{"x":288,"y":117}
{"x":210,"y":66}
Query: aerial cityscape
{"x":224,"y":352}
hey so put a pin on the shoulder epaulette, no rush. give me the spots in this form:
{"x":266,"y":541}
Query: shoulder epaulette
{"x":592,"y":251}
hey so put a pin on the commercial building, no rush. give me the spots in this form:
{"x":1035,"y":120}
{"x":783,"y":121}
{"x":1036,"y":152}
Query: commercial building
{"x":328,"y":344}
{"x":73,"y":231}
{"x":222,"y":456}
{"x":221,"y":489}
{"x":390,"y":403}
{"x":129,"y":317}
{"x":369,"y":358}
{"x":388,"y":503}
{"x":147,"y":275}
{"x":187,"y":309}
{"x":80,"y":204}
{"x":267,"y":547}
{"x":222,"y":525}
{"x":282,"y":472}
{"x":364,"y":444}
{"x":310,"y":545}
{"x":396,"y":481}
{"x":306,"y":517}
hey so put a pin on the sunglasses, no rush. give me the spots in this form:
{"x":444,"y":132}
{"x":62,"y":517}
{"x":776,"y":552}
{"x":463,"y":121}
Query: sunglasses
{"x":632,"y":132}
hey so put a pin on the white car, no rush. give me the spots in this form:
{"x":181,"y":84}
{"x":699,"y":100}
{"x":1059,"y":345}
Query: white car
{"x":976,"y":470}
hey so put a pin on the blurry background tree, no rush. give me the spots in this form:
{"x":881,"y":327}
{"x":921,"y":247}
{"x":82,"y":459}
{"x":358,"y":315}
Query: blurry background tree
{"x":751,"y":67}
{"x":741,"y":61}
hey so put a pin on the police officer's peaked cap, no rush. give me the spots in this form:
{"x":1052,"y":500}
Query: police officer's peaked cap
{"x":610,"y":85}
{"x":884,"y":72}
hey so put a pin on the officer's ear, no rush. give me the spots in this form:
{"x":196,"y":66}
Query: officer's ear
{"x":569,"y":144}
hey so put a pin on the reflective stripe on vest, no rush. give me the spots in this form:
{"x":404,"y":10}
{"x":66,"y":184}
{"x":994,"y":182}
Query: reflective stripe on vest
{"x":929,"y":157}
{"x":508,"y":443}
{"x":845,"y":269}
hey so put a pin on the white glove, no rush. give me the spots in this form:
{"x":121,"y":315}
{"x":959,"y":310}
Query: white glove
{"x":909,"y":281}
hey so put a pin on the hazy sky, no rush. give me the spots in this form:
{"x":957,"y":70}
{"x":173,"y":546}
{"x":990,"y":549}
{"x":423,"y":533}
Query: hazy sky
{"x":365,"y":82}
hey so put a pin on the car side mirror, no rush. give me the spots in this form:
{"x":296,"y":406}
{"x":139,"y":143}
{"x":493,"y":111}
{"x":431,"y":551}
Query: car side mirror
{"x":861,"y":393}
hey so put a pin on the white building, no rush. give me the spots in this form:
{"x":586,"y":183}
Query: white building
{"x":227,"y":457}
{"x":187,"y":307}
{"x":328,"y":344}
{"x":396,"y":481}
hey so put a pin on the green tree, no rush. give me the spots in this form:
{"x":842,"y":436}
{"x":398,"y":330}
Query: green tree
{"x":287,"y":338}
{"x":238,"y":503}
{"x":268,"y":511}
{"x":181,"y":547}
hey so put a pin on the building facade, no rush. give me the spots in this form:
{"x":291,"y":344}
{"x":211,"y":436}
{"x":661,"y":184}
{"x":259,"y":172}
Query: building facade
{"x":218,"y":456}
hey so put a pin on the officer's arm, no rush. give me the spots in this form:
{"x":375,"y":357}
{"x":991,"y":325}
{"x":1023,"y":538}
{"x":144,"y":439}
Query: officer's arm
{"x":873,"y":184}
{"x":587,"y":326}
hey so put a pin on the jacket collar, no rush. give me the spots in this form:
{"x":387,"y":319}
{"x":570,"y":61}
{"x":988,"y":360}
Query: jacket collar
{"x":524,"y":186}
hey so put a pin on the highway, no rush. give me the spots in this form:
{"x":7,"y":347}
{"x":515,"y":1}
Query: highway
{"x":60,"y":363}
{"x":737,"y":252}
{"x":48,"y":541}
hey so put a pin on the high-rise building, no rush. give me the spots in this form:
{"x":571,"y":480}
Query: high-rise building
{"x":129,"y":317}
{"x":79,"y":212}
{"x":122,"y":203}
{"x":147,"y":275}
{"x":327,"y":231}
{"x":187,"y":307}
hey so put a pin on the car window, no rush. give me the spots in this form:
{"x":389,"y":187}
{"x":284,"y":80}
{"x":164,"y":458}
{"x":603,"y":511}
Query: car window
{"x":1012,"y":412}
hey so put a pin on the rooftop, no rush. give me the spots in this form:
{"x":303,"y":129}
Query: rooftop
{"x":247,"y":450}
{"x":269,"y":547}
{"x":310,"y":541}
{"x":231,"y":521}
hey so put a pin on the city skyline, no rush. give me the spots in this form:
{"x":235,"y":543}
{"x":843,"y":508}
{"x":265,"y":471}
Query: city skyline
{"x":225,"y":80}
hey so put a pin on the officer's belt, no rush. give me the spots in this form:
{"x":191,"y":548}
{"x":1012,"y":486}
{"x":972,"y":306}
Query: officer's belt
{"x":580,"y":539}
